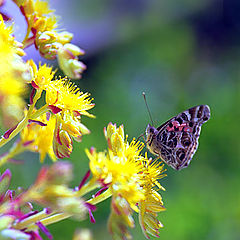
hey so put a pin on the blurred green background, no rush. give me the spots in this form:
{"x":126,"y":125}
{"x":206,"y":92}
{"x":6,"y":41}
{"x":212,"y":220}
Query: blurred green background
{"x":181,"y":53}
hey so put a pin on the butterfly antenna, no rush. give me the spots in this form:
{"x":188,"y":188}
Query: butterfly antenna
{"x":145,"y":100}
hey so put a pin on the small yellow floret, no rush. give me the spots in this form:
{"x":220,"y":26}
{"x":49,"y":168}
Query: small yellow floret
{"x":66,"y":95}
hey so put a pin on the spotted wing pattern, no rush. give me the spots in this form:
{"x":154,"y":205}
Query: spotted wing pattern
{"x":176,"y":141}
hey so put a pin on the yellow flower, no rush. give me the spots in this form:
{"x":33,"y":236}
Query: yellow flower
{"x":14,"y":74}
{"x":133,"y":181}
{"x":41,"y":77}
{"x":68,"y":103}
{"x":38,"y":136}
{"x":42,"y":8}
{"x":65,"y":95}
{"x":119,"y":167}
{"x":82,"y":234}
{"x":152,"y":171}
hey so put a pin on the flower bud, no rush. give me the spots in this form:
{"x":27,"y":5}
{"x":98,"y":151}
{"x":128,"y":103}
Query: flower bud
{"x":68,"y":62}
{"x":75,"y":50}
{"x":62,"y":145}
{"x":40,"y":24}
{"x":60,"y":173}
{"x":73,"y":206}
{"x":46,"y":37}
{"x":65,"y":37}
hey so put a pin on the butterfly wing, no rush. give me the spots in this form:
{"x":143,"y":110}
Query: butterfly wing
{"x":177,"y":139}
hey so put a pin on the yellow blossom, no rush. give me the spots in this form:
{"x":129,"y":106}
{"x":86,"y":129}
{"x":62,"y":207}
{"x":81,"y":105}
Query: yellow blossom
{"x":13,"y":76}
{"x":68,"y":103}
{"x":133,"y":180}
{"x":39,"y":138}
{"x":65,"y":95}
{"x":42,"y":76}
{"x":152,"y":171}
{"x":119,"y":167}
{"x":41,"y":8}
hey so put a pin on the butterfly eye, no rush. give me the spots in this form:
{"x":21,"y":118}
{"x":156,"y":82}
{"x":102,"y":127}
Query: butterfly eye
{"x":151,"y":130}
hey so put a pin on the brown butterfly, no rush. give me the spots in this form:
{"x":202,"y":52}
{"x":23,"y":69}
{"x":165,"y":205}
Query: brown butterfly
{"x":176,"y":141}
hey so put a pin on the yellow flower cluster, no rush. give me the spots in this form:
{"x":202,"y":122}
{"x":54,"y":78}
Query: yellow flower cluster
{"x":13,"y":76}
{"x":50,"y":42}
{"x":132,"y":179}
{"x":41,"y":77}
{"x":39,"y":138}
{"x":152,"y":204}
{"x":66,"y":102}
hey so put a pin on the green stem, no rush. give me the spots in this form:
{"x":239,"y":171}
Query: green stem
{"x":24,"y":123}
{"x":49,"y":220}
{"x":88,"y":187}
{"x":103,"y":196}
{"x":39,"y":112}
{"x":18,"y":129}
{"x":26,"y":37}
{"x":32,"y":220}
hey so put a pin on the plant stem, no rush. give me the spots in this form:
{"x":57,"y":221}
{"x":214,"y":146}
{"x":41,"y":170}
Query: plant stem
{"x":32,"y":220}
{"x":28,"y":42}
{"x":24,"y":123}
{"x":88,"y":187}
{"x":103,"y":196}
{"x":18,"y":129}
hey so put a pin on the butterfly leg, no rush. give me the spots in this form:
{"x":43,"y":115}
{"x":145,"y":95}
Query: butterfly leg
{"x":142,"y":135}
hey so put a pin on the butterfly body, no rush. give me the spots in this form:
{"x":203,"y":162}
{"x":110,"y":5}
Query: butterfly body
{"x":176,"y":141}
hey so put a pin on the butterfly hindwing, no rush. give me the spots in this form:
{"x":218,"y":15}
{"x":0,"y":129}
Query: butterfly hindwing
{"x":176,"y":140}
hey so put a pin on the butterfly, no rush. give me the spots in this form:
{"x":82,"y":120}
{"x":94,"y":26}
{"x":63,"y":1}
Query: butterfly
{"x":176,"y":141}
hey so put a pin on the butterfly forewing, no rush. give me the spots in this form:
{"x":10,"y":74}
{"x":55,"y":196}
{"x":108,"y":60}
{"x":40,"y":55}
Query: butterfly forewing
{"x":176,"y":140}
